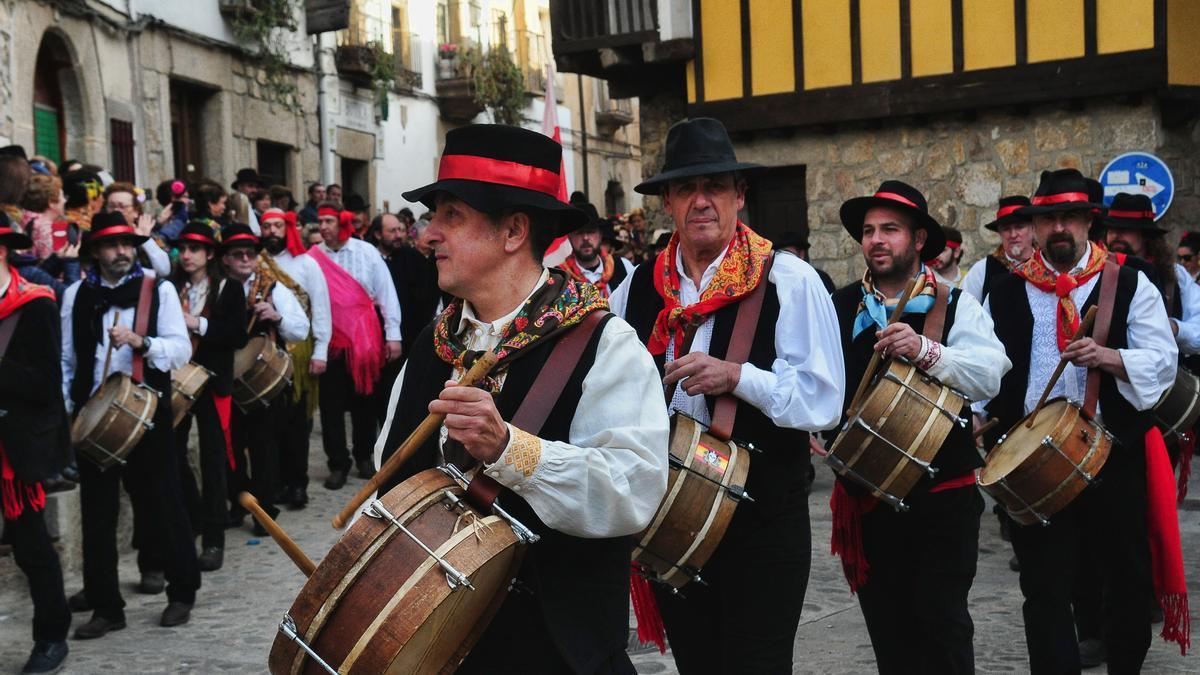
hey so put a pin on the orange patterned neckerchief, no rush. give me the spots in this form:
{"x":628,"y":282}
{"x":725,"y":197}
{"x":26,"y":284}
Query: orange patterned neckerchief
{"x":740,"y":271}
{"x":1036,"y":272}
{"x":574,"y":270}
{"x":1001,"y":255}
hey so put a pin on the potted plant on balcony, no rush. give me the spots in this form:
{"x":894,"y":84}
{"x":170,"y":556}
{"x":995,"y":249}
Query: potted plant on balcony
{"x":447,"y":60}
{"x":499,"y":86}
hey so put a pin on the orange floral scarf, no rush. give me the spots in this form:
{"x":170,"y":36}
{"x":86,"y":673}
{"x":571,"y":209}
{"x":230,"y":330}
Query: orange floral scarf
{"x":740,"y":272}
{"x":1036,"y":272}
{"x":574,"y":270}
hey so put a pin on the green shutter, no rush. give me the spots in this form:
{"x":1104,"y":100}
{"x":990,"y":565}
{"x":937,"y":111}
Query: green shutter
{"x":45,"y":133}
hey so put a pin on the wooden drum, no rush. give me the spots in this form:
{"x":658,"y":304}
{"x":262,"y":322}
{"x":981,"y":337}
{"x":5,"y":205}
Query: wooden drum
{"x":706,"y":483}
{"x":1036,"y":472}
{"x":890,"y":441}
{"x":381,"y":603}
{"x":261,"y":370}
{"x":186,"y":384}
{"x":1178,"y":410}
{"x":113,"y":421}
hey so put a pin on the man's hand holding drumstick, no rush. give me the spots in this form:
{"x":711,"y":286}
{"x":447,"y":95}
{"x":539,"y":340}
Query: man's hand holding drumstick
{"x":473,"y":420}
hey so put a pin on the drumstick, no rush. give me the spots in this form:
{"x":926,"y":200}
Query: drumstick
{"x":1062,"y":364}
{"x":483,"y":365}
{"x":108,"y":354}
{"x":986,"y":427}
{"x":875,"y":358}
{"x":285,"y":542}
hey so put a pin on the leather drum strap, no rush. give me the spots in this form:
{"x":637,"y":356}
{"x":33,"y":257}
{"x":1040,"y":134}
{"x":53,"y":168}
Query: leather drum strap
{"x":543,"y":395}
{"x":1108,"y":298}
{"x":935,"y":320}
{"x":744,"y":327}
{"x":7,"y":327}
{"x":141,"y":324}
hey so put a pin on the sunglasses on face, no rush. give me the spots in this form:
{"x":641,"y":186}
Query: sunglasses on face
{"x":1187,"y":257}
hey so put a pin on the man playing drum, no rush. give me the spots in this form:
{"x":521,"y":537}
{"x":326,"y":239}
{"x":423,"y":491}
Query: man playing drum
{"x":791,"y":384}
{"x":596,"y":470}
{"x":275,"y":313}
{"x":918,"y":563}
{"x":1035,"y":312}
{"x":99,"y":311}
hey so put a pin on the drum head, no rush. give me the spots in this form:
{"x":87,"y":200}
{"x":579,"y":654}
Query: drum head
{"x":93,"y":412}
{"x":245,"y":357}
{"x":1020,"y":442}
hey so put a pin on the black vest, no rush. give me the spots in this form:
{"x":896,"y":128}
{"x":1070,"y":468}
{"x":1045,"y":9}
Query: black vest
{"x":35,"y":431}
{"x":1013,"y":320}
{"x":581,"y":585}
{"x":226,"y":333}
{"x":777,"y":474}
{"x":993,"y":270}
{"x":619,"y":274}
{"x":81,"y":386}
{"x":957,"y":455}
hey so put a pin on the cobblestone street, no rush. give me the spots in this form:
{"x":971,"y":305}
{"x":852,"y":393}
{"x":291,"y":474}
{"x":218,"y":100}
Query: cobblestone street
{"x":239,"y":607}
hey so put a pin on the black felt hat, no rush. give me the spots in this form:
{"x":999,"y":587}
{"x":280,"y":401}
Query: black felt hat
{"x":580,"y":201}
{"x":199,"y":231}
{"x":1062,"y":190}
{"x":246,"y":176}
{"x":1007,"y":213}
{"x":695,"y":147}
{"x":11,"y":237}
{"x":238,"y":234}
{"x":902,"y":197}
{"x":1131,"y":212}
{"x":795,"y":238}
{"x":111,"y":225}
{"x":495,"y":167}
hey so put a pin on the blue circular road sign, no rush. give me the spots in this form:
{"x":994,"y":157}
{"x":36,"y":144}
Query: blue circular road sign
{"x":1139,"y":173}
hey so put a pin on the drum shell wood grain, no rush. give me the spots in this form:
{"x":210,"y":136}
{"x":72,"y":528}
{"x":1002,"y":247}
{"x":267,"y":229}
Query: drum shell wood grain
{"x":102,"y":420}
{"x":1045,"y":479}
{"x":1177,"y":412}
{"x":695,"y":513}
{"x":896,"y":413}
{"x":261,"y":370}
{"x":186,"y":384}
{"x":367,"y":607}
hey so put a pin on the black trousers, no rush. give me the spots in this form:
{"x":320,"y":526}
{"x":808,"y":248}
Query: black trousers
{"x":293,"y":456}
{"x":151,"y":477}
{"x":921,"y":567}
{"x":1111,"y":514}
{"x":207,"y":506}
{"x":338,"y":397}
{"x":756,"y":581}
{"x":259,"y":433}
{"x":36,"y":557}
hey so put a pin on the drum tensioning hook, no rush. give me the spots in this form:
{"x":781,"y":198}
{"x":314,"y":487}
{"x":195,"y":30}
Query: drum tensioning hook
{"x":737,"y":492}
{"x":929,"y":468}
{"x":454,"y":578}
{"x":523,"y":533}
{"x":104,"y":450}
{"x":1049,"y":443}
{"x":960,"y":421}
{"x":842,"y":468}
{"x":1003,"y":482}
{"x":288,"y":628}
{"x":690,"y":572}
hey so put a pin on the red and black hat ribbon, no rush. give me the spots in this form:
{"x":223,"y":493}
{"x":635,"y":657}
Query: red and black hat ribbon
{"x":499,"y":171}
{"x":1061,"y":198}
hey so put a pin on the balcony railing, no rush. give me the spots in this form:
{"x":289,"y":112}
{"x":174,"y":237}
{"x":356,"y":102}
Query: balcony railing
{"x":611,"y":113}
{"x":532,"y":56}
{"x":587,"y":25}
{"x":406,"y":53}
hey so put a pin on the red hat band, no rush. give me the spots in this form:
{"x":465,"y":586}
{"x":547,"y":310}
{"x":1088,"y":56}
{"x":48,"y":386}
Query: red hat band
{"x":1061,"y":198}
{"x":503,"y":172}
{"x":892,"y":196}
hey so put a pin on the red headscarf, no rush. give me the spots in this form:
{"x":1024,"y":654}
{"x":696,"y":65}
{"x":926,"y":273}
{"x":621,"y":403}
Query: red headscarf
{"x":345,"y":221}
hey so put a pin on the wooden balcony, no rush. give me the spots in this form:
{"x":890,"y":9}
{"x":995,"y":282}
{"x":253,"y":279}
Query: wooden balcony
{"x":356,"y":62}
{"x":611,"y":38}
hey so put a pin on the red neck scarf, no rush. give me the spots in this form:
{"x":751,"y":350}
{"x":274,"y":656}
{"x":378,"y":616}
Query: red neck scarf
{"x":13,"y":491}
{"x":740,"y":272}
{"x":1036,"y":272}
{"x":574,"y":270}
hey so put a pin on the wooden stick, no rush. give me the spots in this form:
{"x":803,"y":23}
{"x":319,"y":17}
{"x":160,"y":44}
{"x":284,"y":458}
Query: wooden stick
{"x":1084,"y":327}
{"x":285,"y":542}
{"x":986,"y":427}
{"x":875,"y":357}
{"x":108,"y":354}
{"x":483,"y":365}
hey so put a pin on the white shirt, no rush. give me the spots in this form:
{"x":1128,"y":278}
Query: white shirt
{"x":1150,"y":359}
{"x":973,"y":360}
{"x":170,"y":347}
{"x":197,"y":298}
{"x":365,"y":263}
{"x":609,"y":479}
{"x":594,"y":276}
{"x":307,"y":272}
{"x":973,"y":282}
{"x":160,"y":262}
{"x":293,"y":324}
{"x":1188,"y":339}
{"x":805,"y":385}
{"x":952,"y":283}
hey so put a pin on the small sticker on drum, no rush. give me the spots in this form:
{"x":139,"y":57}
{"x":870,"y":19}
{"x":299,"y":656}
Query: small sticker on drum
{"x":714,"y":457}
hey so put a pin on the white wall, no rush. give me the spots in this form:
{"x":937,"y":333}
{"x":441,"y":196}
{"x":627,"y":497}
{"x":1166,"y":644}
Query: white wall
{"x":204,"y":17}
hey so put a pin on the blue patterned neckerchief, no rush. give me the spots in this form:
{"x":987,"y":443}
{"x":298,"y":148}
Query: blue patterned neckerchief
{"x":875,"y":308}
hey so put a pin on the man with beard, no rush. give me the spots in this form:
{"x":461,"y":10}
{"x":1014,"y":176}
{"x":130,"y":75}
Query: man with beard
{"x":105,"y":308}
{"x":1016,"y":245}
{"x":588,"y":261}
{"x":946,"y":264}
{"x":585,"y":472}
{"x":684,"y":307}
{"x":303,"y":276}
{"x":1035,"y":313}
{"x":918,"y":562}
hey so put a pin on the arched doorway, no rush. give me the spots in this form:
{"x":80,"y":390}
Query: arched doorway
{"x":57,"y":112}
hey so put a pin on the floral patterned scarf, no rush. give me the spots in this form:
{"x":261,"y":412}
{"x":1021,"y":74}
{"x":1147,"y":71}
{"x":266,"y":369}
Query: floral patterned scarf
{"x":1037,"y":272}
{"x":740,"y":272}
{"x":555,"y":306}
{"x":1002,"y":255}
{"x":574,"y":270}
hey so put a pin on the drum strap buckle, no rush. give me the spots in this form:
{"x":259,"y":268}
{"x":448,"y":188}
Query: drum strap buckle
{"x":454,"y":578}
{"x":930,"y":469}
{"x":288,"y":628}
{"x":1024,"y":504}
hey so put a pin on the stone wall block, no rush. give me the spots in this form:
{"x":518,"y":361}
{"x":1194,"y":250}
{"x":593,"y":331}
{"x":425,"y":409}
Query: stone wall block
{"x":1050,"y":135}
{"x":858,"y":151}
{"x":978,"y":184}
{"x":938,"y":162}
{"x":1013,"y":154}
{"x":1069,"y":161}
{"x":898,"y":162}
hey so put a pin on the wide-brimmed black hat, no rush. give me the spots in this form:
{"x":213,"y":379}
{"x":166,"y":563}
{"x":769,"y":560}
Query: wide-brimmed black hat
{"x":11,"y":237}
{"x":580,"y":201}
{"x":1131,"y":212}
{"x":495,"y":167}
{"x":795,"y":238}
{"x":112,"y":225}
{"x":902,"y":197}
{"x":198,"y":231}
{"x":355,"y":203}
{"x":695,"y":147}
{"x":1007,"y":213}
{"x":238,"y":234}
{"x":1062,"y":190}
{"x":246,"y":176}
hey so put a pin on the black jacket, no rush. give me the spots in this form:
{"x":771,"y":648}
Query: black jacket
{"x":226,"y":333}
{"x":34,"y":428}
